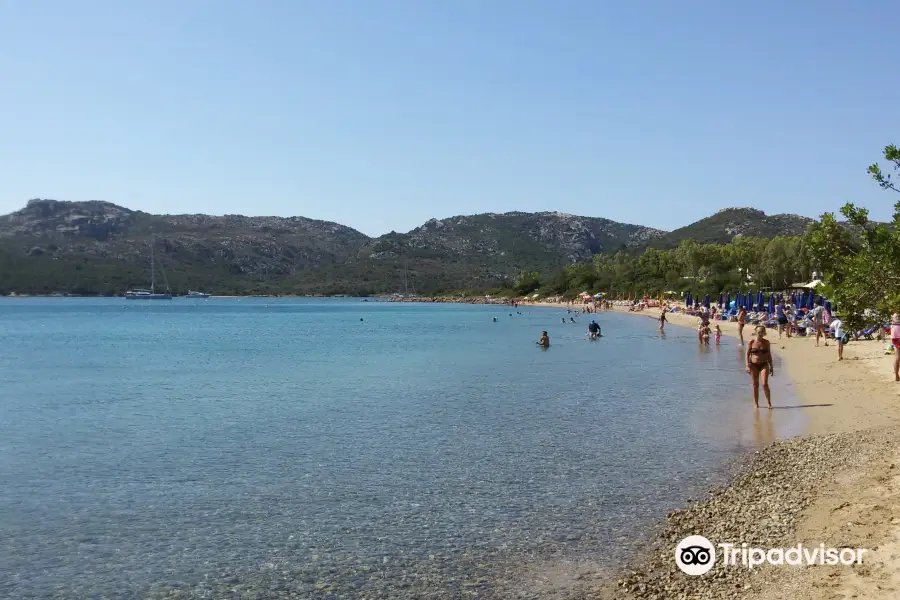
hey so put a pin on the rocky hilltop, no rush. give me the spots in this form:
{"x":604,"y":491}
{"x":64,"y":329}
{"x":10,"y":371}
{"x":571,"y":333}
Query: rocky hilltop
{"x":728,"y":223}
{"x":241,"y":245}
{"x":102,"y":248}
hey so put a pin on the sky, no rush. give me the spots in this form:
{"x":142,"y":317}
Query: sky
{"x":383,"y":114}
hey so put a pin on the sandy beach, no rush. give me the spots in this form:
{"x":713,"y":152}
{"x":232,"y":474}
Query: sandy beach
{"x":837,"y":485}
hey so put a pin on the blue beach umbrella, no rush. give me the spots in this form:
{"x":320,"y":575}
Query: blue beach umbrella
{"x":706,"y":301}
{"x":828,"y":306}
{"x":772,"y":303}
{"x":721,"y":299}
{"x":728,"y":300}
{"x":687,"y":300}
{"x":810,"y":301}
{"x":760,"y":301}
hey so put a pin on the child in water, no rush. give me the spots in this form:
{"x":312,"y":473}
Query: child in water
{"x":704,"y":334}
{"x":718,"y":334}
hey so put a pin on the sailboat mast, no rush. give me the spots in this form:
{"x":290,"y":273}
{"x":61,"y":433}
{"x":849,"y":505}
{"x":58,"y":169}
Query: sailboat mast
{"x":152,"y":271}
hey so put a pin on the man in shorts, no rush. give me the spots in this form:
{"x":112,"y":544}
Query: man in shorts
{"x":782,"y":318}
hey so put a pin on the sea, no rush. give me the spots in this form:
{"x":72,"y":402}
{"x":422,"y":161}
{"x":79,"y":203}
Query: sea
{"x":342,"y":448}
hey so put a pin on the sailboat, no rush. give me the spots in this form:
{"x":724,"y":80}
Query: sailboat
{"x":141,"y":294}
{"x":406,"y":293}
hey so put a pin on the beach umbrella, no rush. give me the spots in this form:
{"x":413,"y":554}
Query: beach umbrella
{"x":706,"y":301}
{"x":721,"y":299}
{"x":828,"y":306}
{"x":760,"y":301}
{"x":728,"y":300}
{"x":772,"y":303}
{"x":687,"y":301}
{"x":810,"y":301}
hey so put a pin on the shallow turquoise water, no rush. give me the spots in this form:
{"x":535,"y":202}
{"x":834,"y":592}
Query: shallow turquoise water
{"x":288,"y":446}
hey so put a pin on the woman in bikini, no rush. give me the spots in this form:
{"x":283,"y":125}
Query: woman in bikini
{"x":741,"y":319}
{"x":759,"y":364}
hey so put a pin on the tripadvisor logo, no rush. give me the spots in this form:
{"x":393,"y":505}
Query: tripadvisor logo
{"x":696,"y":555}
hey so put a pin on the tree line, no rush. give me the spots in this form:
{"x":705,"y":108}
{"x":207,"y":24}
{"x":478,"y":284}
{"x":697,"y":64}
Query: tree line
{"x":857,"y":259}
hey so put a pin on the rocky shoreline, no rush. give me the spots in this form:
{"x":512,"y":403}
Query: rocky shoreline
{"x":762,"y":506}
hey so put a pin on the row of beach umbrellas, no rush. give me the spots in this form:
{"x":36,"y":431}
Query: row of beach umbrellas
{"x":759,"y":301}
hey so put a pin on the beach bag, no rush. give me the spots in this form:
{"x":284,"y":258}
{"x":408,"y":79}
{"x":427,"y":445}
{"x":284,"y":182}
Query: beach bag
{"x":845,"y":339}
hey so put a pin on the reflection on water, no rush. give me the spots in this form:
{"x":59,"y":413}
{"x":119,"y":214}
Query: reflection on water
{"x":763,"y":427}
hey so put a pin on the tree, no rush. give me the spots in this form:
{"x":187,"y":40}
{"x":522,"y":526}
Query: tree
{"x":861,"y":273}
{"x":527,"y":282}
{"x":892,"y":155}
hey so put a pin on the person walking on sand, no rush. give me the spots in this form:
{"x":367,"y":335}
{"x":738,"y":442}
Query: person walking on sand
{"x":839,"y":334}
{"x":759,"y":365}
{"x":782,"y":318}
{"x":741,"y":319}
{"x":817,"y":315}
{"x":895,"y":341}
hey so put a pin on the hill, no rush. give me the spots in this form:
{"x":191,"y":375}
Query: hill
{"x":729,"y":223}
{"x":101,"y":248}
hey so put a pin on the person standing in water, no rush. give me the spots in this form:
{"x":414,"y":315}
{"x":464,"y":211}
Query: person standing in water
{"x":544,"y":342}
{"x":718,"y":334}
{"x":662,"y":319}
{"x":741,"y":319}
{"x":593,"y":330}
{"x":759,"y":365}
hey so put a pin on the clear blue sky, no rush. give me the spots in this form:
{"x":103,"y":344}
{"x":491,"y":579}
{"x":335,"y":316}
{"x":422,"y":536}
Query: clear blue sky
{"x":383,"y":114}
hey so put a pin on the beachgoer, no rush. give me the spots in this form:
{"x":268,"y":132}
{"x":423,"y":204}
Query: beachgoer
{"x":839,"y":335}
{"x":662,"y":319}
{"x":593,"y":330}
{"x":789,"y":313}
{"x":718,"y":334}
{"x":817,"y":315}
{"x":704,"y":334}
{"x":544,"y":342}
{"x":563,"y":320}
{"x":895,"y":341}
{"x":495,"y":319}
{"x":741,"y":319}
{"x":759,"y":364}
{"x":572,"y":319}
{"x":704,"y":325}
{"x":782,"y":318}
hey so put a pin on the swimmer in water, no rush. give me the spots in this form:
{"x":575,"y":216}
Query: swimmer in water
{"x":563,"y":319}
{"x":593,"y":330}
{"x":495,"y":319}
{"x":572,"y":319}
{"x":544,"y":342}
